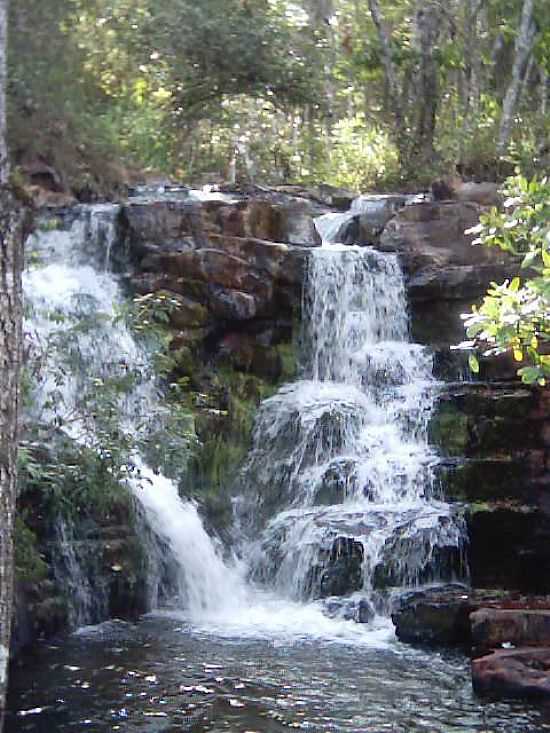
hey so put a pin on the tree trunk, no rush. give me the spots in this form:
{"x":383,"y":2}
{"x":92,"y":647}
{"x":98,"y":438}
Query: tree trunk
{"x":428,"y":25}
{"x":4,"y":163}
{"x":472,"y":72}
{"x":543,"y":91}
{"x":390,"y":72}
{"x":524,"y":46}
{"x":11,"y":316}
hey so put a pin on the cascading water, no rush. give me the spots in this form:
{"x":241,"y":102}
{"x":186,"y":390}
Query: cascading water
{"x":341,"y":458}
{"x":78,"y":341}
{"x":340,"y":479}
{"x":337,"y":496}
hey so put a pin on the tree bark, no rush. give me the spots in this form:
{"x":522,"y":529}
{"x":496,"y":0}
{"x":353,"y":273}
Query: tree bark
{"x":390,"y":73}
{"x":4,"y":162}
{"x":525,"y":41}
{"x":428,"y":25}
{"x":11,"y":316}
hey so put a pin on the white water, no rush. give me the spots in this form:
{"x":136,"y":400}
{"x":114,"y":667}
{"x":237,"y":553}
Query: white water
{"x":341,"y":460}
{"x":65,"y":284}
{"x":354,"y":428}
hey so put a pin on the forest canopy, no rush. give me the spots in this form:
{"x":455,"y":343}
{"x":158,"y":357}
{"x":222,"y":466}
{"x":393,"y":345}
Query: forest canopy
{"x":353,"y":92}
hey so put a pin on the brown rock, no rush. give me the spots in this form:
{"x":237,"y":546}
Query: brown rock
{"x":433,"y":235}
{"x":42,"y":198}
{"x":513,"y":673}
{"x":492,"y":627}
{"x":484,"y":194}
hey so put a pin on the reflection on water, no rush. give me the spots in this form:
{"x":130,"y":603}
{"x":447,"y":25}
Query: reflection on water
{"x":163,"y":676}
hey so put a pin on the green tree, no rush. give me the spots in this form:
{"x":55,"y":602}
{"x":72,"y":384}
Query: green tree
{"x":515,"y":316}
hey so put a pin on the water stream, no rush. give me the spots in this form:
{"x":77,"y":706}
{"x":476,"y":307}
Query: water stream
{"x":336,"y":499}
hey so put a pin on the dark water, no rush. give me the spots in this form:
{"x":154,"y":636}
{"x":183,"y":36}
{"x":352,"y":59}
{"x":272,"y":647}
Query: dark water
{"x":163,"y":676}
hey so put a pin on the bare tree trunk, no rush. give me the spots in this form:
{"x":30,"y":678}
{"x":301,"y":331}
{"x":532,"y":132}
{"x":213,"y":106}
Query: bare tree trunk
{"x":4,"y":163}
{"x":524,"y":46}
{"x":472,"y":71}
{"x":428,"y":25}
{"x":391,"y":77}
{"x":543,"y":91}
{"x":472,"y":56}
{"x":11,"y":316}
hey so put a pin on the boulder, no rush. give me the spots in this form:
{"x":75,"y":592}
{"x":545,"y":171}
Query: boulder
{"x":523,"y":673}
{"x":432,"y":234}
{"x":349,"y":609}
{"x":485,"y":193}
{"x":493,"y":627}
{"x":189,"y":223}
{"x":436,"y":616}
{"x":442,"y":615}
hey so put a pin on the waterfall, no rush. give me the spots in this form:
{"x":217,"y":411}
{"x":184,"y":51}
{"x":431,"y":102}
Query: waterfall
{"x":341,"y":470}
{"x":76,"y":339}
{"x":337,"y":496}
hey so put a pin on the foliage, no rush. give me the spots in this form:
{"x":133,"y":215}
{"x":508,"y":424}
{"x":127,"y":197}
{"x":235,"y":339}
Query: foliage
{"x":177,"y":87}
{"x":30,"y":566}
{"x":90,"y":422}
{"x":515,"y":316}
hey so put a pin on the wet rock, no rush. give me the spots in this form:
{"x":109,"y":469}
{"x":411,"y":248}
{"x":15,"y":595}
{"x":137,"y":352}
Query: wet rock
{"x":349,"y":609}
{"x":438,"y":616}
{"x":491,"y":628}
{"x":508,"y":547}
{"x":374,"y":213}
{"x":523,"y":673}
{"x":337,"y":482}
{"x":244,"y":353}
{"x":483,"y":480}
{"x":232,"y":305}
{"x":441,"y":615}
{"x":342,"y":571}
{"x":422,"y":549}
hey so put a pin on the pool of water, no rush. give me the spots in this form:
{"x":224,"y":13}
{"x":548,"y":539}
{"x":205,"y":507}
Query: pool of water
{"x":165,"y":674}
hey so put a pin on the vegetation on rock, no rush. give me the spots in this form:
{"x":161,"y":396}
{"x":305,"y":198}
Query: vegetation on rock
{"x":515,"y":315}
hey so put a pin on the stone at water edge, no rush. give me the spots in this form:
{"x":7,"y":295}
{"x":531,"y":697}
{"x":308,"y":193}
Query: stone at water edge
{"x":523,"y":673}
{"x":492,"y":627}
{"x":440,"y":616}
{"x":349,"y":609}
{"x":434,"y":617}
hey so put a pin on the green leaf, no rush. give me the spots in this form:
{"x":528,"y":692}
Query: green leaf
{"x":473,"y":363}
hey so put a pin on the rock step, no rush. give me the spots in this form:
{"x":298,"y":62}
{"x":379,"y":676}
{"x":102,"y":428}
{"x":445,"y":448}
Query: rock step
{"x":523,"y":673}
{"x":443,"y":616}
{"x":494,"y":627}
